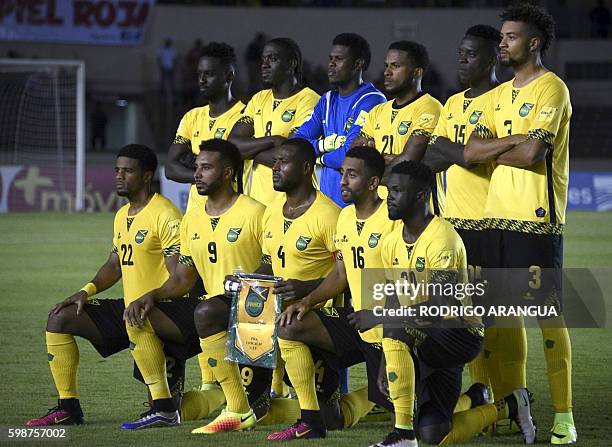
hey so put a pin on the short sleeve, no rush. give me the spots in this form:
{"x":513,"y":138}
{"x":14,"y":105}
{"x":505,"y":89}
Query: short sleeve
{"x":426,"y":118}
{"x":184,"y":131}
{"x":441,"y":127}
{"x":248,"y":113}
{"x":265,"y":222}
{"x":549,"y":112}
{"x":329,"y":230}
{"x":305,"y":109}
{"x":486,"y":124}
{"x":368,"y":127}
{"x":185,"y":249}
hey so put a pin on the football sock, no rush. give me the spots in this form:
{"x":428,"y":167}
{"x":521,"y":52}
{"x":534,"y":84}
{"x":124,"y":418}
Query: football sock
{"x":511,"y":355}
{"x":200,"y":404}
{"x":63,"y":356}
{"x":282,"y":411}
{"x":478,"y":369}
{"x":355,"y":405}
{"x":464,"y":403}
{"x":148,"y":353}
{"x":205,"y":370}
{"x":490,"y":358}
{"x":558,"y":353}
{"x":279,"y":387}
{"x":469,"y":423}
{"x":226,"y":372}
{"x":400,"y":375}
{"x":300,"y":369}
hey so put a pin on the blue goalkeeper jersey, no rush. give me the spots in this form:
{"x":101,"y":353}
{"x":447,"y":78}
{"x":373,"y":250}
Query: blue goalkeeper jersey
{"x":343,"y":116}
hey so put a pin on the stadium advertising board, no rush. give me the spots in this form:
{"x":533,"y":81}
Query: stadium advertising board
{"x":43,"y":188}
{"x":76,"y":21}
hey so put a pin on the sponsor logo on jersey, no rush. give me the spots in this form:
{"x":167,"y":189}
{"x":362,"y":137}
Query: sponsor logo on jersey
{"x":140,"y":236}
{"x":403,"y":127}
{"x":373,"y":240}
{"x":547,"y":114}
{"x":302,"y":243}
{"x":426,"y":120}
{"x":525,"y":109}
{"x":288,"y":115}
{"x":233,"y":233}
{"x":475,"y":116}
{"x":420,"y":264}
{"x":219,"y":133}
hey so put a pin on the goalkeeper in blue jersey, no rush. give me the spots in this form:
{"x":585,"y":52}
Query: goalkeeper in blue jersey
{"x":340,"y":113}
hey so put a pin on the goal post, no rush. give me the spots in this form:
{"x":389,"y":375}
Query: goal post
{"x":42,"y":121}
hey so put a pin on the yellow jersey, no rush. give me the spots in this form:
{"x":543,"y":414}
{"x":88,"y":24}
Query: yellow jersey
{"x":359,"y":244}
{"x":530,"y":200}
{"x":196,"y":126}
{"x":271,"y":116}
{"x":142,"y":241}
{"x":218,"y":245}
{"x":466,"y":189}
{"x":391,"y":126}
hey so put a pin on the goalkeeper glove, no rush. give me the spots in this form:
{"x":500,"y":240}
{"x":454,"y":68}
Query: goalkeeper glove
{"x":331,"y":143}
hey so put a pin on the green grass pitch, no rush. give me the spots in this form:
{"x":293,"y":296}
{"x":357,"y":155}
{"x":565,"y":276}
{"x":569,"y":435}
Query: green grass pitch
{"x":45,"y":257}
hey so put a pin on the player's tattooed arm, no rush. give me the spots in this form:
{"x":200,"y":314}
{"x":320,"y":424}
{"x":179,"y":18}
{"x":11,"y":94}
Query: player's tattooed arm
{"x":106,"y":277}
{"x":242,"y":136}
{"x":526,"y":154}
{"x":442,"y":153}
{"x":180,"y":282}
{"x":178,"y":164}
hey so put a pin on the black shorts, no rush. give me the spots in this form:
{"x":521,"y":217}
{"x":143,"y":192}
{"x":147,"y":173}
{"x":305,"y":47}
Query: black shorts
{"x":351,"y":349}
{"x":475,"y":246}
{"x":524,"y":267}
{"x":439,"y":357}
{"x":107,"y":315}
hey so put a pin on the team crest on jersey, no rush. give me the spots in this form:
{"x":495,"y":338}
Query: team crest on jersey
{"x":374,"y":238}
{"x":420,"y":264}
{"x":302,"y":243}
{"x":219,"y":133}
{"x":402,"y":129}
{"x":348,"y":124}
{"x":475,"y":116}
{"x":255,"y":300}
{"x":525,"y":109}
{"x":140,"y":236}
{"x":288,"y":115}
{"x":233,"y":233}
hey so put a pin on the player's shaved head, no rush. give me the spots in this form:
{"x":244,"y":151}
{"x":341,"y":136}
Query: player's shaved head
{"x":147,"y":160}
{"x":358,"y":46}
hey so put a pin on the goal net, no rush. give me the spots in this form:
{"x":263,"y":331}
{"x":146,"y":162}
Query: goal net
{"x":42,"y":128}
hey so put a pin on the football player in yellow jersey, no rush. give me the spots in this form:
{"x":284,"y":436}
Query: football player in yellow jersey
{"x":525,"y":131}
{"x":273,"y":114}
{"x":467,"y":185}
{"x":145,"y":250}
{"x":425,"y":355}
{"x":216,"y":71}
{"x":216,"y":238}
{"x":360,"y":229}
{"x":400,"y":129}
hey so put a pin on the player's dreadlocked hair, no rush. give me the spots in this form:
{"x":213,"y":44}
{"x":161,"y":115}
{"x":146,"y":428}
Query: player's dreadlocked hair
{"x":221,"y":51}
{"x":293,"y":51}
{"x":147,"y":160}
{"x":485,"y":32}
{"x":416,"y":52}
{"x":418,"y":172}
{"x":228,"y":152}
{"x":535,"y":17}
{"x":360,"y":48}
{"x":373,"y":160}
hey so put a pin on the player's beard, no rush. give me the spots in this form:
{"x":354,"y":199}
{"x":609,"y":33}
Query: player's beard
{"x":401,"y":89}
{"x":210,"y":188}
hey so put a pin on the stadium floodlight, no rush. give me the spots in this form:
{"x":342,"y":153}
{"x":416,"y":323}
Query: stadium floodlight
{"x":42,"y":121}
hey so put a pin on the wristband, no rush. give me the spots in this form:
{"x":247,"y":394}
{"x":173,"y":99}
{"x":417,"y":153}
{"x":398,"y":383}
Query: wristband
{"x":90,"y":289}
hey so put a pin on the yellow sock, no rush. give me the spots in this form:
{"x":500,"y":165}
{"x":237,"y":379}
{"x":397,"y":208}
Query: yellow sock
{"x":226,"y":372}
{"x":558,"y":353}
{"x":491,"y":361}
{"x":148,"y":353}
{"x":511,"y":355}
{"x":400,"y":374}
{"x":206,"y":371}
{"x":63,"y":356}
{"x":278,"y":385}
{"x":478,"y":370}
{"x":355,"y":405}
{"x":282,"y":411}
{"x":200,"y":404}
{"x":463,"y":404}
{"x":469,"y":423}
{"x":300,"y":369}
